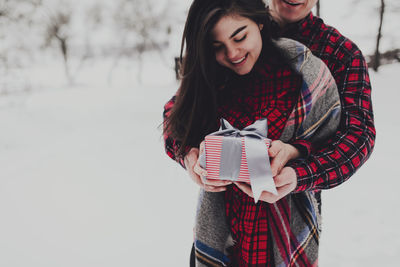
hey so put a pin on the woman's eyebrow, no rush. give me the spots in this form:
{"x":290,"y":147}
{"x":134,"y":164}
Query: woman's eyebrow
{"x":233,"y":34}
{"x":238,"y":30}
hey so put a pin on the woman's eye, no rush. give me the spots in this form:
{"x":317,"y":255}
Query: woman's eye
{"x":241,"y":39}
{"x":217,"y":47}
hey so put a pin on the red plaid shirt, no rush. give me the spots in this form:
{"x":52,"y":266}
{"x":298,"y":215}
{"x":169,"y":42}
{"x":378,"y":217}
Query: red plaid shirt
{"x":273,"y":96}
{"x":269,"y":92}
{"x":353,"y":143}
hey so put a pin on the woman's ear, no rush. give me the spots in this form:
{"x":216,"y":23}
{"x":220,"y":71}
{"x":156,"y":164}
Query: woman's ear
{"x":260,"y":26}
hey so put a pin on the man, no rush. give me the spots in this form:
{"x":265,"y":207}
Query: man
{"x":335,"y":161}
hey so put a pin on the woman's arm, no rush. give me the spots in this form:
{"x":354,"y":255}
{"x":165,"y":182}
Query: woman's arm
{"x":191,"y":160}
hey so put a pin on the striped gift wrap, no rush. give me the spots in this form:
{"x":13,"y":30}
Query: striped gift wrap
{"x":213,"y":149}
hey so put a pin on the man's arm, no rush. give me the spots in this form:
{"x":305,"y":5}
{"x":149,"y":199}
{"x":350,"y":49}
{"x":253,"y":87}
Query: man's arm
{"x":343,"y":154}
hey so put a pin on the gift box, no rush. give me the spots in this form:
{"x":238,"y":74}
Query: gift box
{"x":240,"y":156}
{"x":213,"y":150}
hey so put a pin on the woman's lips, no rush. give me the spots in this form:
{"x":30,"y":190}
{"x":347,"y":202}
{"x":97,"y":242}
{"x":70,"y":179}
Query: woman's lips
{"x":292,"y":3}
{"x":239,"y":61}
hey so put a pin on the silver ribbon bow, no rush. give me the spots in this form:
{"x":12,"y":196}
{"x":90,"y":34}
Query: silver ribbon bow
{"x":256,"y":155}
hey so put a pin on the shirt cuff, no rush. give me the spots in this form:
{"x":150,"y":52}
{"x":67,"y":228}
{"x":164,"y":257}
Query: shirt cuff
{"x":304,"y":147}
{"x":304,"y":183}
{"x":181,"y":161}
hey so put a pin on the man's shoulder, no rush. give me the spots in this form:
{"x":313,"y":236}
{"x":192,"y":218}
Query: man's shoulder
{"x":331,"y":40}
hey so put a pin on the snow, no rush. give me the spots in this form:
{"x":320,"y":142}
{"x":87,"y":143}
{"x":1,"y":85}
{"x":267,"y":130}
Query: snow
{"x":85,"y":181}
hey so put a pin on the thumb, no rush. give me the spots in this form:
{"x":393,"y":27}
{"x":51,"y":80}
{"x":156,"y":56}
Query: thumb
{"x":275,"y":147}
{"x":202,"y":146}
{"x":278,"y":162}
{"x":191,"y":157}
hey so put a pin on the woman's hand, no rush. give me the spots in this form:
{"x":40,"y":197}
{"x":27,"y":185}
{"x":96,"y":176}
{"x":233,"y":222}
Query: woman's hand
{"x":281,"y":153}
{"x":285,"y":182}
{"x":198,"y":174}
{"x":285,"y":177}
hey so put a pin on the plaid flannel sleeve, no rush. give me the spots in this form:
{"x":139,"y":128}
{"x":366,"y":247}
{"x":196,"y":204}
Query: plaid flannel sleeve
{"x":171,"y":145}
{"x":343,"y":154}
{"x":305,"y":147}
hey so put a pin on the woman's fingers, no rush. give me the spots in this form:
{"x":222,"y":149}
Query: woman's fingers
{"x":198,"y":174}
{"x":199,"y":170}
{"x":202,"y":147}
{"x":213,"y":182}
{"x":211,"y":188}
{"x":190,"y":163}
{"x":191,"y":158}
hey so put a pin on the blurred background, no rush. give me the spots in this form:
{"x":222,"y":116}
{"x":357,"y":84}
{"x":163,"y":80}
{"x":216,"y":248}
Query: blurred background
{"x":84,"y":180}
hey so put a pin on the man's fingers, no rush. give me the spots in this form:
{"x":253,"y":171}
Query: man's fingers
{"x":284,"y":190}
{"x":283,"y":178}
{"x":285,"y":182}
{"x":275,"y":147}
{"x":278,"y":162}
{"x":268,"y":197}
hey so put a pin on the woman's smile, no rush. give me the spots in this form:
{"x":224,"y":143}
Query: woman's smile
{"x":237,"y":43}
{"x":239,"y":61}
{"x":292,"y":3}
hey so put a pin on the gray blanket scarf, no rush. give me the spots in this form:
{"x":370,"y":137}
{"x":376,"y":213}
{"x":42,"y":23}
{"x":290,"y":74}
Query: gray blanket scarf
{"x":320,"y":106}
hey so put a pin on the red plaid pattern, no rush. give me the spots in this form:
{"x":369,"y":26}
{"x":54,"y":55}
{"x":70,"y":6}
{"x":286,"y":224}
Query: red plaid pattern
{"x":271,"y":93}
{"x":262,"y":94}
{"x":343,"y":154}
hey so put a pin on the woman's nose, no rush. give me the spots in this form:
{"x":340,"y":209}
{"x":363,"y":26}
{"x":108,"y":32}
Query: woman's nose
{"x":231,"y":52}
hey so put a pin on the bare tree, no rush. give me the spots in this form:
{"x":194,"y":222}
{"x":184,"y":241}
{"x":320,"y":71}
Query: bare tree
{"x":141,"y":28}
{"x":57,"y":30}
{"x":17,"y":42}
{"x":318,"y":7}
{"x":15,"y":16}
{"x":376,"y":62}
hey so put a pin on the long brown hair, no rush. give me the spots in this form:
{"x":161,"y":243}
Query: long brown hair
{"x":194,"y":113}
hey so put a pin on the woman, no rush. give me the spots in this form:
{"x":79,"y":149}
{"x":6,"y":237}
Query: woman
{"x":233,"y":69}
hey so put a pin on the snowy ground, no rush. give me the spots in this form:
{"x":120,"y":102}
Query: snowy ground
{"x":85,"y":182}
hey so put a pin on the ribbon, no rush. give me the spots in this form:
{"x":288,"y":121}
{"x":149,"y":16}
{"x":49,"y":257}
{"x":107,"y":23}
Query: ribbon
{"x":255,"y":151}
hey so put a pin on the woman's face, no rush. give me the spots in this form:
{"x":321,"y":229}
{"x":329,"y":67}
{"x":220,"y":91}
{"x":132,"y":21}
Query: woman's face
{"x":237,"y":43}
{"x":288,"y":11}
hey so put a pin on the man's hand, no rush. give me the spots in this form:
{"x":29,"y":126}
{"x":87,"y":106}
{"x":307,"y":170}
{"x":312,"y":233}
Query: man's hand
{"x":285,"y":182}
{"x":198,"y":174}
{"x":281,"y":153}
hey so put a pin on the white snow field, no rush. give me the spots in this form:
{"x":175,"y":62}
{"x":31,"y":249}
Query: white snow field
{"x":85,"y":181}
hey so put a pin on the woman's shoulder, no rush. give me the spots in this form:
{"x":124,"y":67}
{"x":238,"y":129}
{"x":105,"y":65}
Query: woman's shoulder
{"x":290,"y":48}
